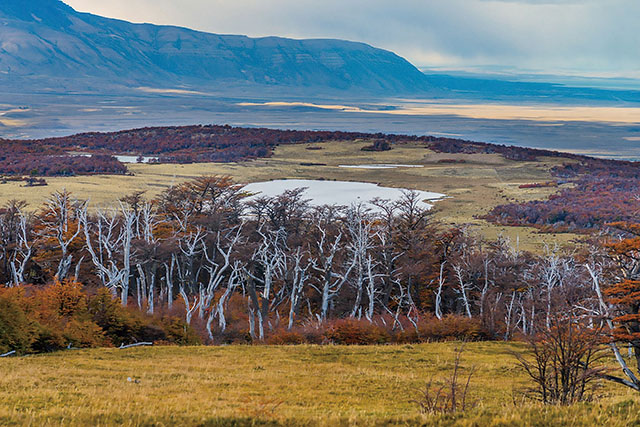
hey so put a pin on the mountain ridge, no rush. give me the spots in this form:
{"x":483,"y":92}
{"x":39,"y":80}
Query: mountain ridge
{"x":48,"y":38}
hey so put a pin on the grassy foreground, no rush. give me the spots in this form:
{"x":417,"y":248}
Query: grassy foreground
{"x":268,"y":385}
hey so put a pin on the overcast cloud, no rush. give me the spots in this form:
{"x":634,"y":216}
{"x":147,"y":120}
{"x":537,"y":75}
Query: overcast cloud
{"x":590,"y":37}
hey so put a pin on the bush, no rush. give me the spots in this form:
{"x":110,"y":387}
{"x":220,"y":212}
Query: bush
{"x":64,"y":319}
{"x":449,"y":328}
{"x":562,"y":362}
{"x":17,"y":332}
{"x":354,"y":331}
{"x":179,"y":332}
{"x":116,"y":322}
{"x":62,"y":315}
{"x":284,"y":337}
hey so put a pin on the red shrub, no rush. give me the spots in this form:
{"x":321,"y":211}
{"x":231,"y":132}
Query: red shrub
{"x":284,"y":337}
{"x":353,"y":331}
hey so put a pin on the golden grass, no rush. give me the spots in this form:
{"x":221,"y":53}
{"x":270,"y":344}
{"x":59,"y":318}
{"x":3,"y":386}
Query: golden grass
{"x":476,"y":186}
{"x":297,"y":385}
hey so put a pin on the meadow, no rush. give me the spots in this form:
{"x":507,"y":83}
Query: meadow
{"x":474,"y":185}
{"x":281,"y":385}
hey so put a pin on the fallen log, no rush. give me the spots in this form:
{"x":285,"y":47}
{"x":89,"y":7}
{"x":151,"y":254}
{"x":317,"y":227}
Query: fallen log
{"x":135,"y":345}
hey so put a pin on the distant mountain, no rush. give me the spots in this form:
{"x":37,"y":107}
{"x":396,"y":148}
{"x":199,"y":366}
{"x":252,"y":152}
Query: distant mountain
{"x":48,"y":42}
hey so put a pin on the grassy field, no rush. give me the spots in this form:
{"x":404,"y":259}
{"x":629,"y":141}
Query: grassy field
{"x":269,"y":385}
{"x":474,"y":187}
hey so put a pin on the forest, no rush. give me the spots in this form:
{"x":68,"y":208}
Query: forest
{"x":275,"y":269}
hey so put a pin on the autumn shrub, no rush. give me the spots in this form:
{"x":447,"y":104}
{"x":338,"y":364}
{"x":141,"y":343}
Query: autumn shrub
{"x":285,"y":337}
{"x":63,"y":318}
{"x":356,"y":331}
{"x":124,"y":325}
{"x":179,"y":332}
{"x":64,"y":299}
{"x":61,"y":315}
{"x":312,"y":333}
{"x":83,"y":333}
{"x":564,"y":362}
{"x":449,"y":328}
{"x":116,"y":322}
{"x":17,"y":332}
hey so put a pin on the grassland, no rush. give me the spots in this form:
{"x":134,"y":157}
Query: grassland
{"x":475,"y":186}
{"x":263,"y":385}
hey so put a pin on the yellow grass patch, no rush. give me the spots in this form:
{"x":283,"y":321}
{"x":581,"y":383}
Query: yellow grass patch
{"x":297,"y":385}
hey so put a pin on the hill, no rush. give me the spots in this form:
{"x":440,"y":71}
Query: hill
{"x":46,"y":43}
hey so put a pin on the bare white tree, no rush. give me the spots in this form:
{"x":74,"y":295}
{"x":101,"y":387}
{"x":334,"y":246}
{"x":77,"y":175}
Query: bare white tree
{"x":360,"y":243}
{"x":188,"y":273}
{"x":217,"y":266}
{"x":298,"y":282}
{"x":22,"y":252}
{"x":268,"y":262}
{"x":463,"y":289}
{"x":108,"y":240}
{"x":331,"y":280}
{"x":438,"y":292}
{"x":61,"y":209}
{"x":237,"y":278}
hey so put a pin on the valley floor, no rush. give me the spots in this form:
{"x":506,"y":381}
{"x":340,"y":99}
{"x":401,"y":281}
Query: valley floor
{"x":274,"y":385}
{"x":474,"y":186}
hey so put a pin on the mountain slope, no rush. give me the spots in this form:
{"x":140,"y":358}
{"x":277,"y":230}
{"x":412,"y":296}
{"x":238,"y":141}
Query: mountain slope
{"x":46,"y":38}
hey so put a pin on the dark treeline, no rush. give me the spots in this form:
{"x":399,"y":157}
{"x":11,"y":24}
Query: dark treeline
{"x":188,"y":144}
{"x":276,"y":269}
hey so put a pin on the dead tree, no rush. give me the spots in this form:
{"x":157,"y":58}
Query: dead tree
{"x":108,"y":240}
{"x":331,"y":278}
{"x":59,"y":224}
{"x":188,"y":272}
{"x":438,"y":292}
{"x":267,"y":262}
{"x":217,"y":264}
{"x":236,"y":278}
{"x":298,"y":282}
{"x":22,"y":252}
{"x":360,"y":243}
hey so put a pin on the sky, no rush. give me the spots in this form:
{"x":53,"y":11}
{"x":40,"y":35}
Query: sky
{"x":573,"y":37}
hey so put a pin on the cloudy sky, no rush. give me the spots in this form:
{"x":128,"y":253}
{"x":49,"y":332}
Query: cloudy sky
{"x":587,"y":37}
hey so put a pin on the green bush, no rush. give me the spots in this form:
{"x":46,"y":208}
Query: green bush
{"x":178,"y":332}
{"x":17,"y":332}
